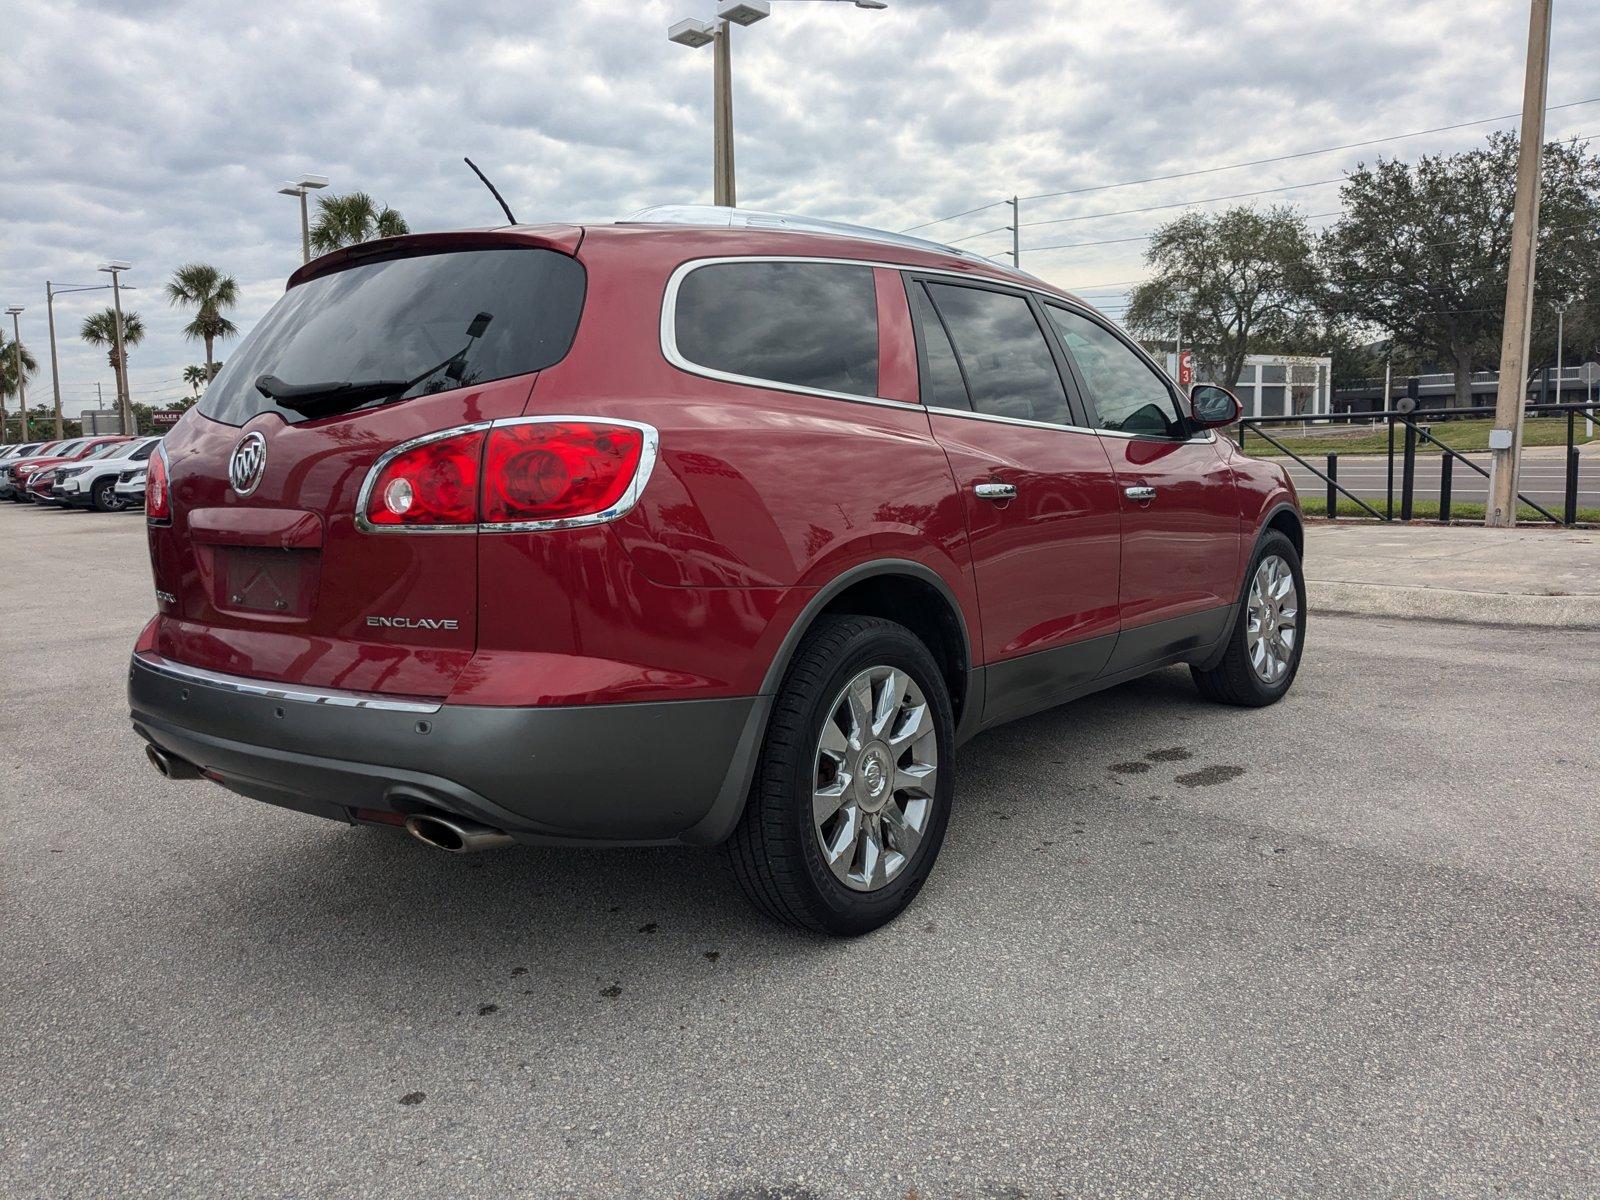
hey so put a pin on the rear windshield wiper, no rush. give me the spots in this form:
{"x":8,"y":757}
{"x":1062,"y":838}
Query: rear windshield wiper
{"x":319,"y":399}
{"x":311,"y":398}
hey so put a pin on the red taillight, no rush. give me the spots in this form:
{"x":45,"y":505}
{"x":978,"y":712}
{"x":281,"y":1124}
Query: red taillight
{"x":558,"y":470}
{"x":157,"y":493}
{"x":435,"y":483}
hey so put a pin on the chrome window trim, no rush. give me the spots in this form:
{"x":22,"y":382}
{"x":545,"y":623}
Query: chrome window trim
{"x":280,"y":691}
{"x":649,"y":451}
{"x":669,"y":346}
{"x":669,"y":332}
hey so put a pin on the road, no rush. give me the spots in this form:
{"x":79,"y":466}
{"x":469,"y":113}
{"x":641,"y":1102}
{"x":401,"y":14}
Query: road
{"x":1346,"y":946}
{"x":1543,"y":478}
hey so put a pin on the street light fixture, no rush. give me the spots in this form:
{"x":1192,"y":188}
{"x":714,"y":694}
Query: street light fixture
{"x":303,"y":187}
{"x":695,"y":34}
{"x":114,"y":268}
{"x":22,"y":391}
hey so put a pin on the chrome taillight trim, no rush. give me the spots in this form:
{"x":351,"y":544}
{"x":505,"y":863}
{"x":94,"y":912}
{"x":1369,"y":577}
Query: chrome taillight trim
{"x":166,"y":463}
{"x":648,"y":452}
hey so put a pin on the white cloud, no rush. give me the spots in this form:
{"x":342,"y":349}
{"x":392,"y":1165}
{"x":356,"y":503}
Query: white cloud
{"x":159,"y":131}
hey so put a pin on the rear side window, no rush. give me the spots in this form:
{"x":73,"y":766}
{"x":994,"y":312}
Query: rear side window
{"x":807,"y":325}
{"x":1129,"y":397}
{"x":942,"y":385}
{"x":1009,"y":369}
{"x":447,"y":321}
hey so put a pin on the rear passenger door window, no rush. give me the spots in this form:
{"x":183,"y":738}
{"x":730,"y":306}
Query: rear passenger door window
{"x":795,"y":324}
{"x":1128,"y":395}
{"x":943,"y":385}
{"x":1004,"y":357}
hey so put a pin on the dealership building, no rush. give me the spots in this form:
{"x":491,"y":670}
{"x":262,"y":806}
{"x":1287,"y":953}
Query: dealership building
{"x":1280,"y":385}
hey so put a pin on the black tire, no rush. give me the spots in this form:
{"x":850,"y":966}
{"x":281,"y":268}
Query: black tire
{"x":777,"y":857}
{"x":1233,"y":680}
{"x":103,"y":496}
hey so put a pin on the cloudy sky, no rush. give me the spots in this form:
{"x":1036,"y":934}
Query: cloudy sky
{"x":159,"y":130}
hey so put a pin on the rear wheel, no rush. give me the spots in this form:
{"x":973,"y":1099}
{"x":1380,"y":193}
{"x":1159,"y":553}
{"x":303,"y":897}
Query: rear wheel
{"x":852,"y":792}
{"x":103,"y":496}
{"x":1264,"y":649}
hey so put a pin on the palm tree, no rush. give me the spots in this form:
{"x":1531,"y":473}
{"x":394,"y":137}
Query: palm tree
{"x":207,"y":291}
{"x":8,"y":378}
{"x":194,"y":375}
{"x":100,"y":329}
{"x":352,"y":218}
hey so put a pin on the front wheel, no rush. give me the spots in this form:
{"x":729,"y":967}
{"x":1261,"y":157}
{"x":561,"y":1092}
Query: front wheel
{"x":103,"y":496}
{"x":1264,"y":648}
{"x":852,"y":792}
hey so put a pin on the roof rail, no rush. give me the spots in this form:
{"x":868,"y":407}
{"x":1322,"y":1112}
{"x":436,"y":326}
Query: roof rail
{"x":716,"y":216}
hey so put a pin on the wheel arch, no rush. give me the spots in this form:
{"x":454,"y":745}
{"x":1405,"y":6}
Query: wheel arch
{"x":911,"y":593}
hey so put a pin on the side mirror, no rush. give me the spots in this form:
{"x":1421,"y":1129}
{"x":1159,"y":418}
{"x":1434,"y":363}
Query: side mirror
{"x":1212,"y":407}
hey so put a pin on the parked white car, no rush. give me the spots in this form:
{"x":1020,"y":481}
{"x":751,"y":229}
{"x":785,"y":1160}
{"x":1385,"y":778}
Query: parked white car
{"x":130,"y":487}
{"x":93,"y":484}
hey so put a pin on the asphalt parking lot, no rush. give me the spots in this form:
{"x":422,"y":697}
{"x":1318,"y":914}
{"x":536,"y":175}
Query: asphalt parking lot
{"x":1345,"y":946}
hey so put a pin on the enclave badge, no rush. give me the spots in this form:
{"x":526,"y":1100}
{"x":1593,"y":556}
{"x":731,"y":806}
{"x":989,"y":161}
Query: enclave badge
{"x":412,"y":623}
{"x":248,"y":464}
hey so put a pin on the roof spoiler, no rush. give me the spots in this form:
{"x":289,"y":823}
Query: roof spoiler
{"x":564,"y":239}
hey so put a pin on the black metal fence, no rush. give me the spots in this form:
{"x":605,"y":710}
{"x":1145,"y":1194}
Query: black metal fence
{"x":1405,"y":433}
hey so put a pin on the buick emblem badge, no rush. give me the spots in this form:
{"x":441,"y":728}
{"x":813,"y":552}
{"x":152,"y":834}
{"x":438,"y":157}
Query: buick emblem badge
{"x":248,"y":464}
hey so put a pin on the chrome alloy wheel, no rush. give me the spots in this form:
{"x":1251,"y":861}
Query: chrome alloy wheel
{"x":874,"y":778}
{"x":1273,"y":626}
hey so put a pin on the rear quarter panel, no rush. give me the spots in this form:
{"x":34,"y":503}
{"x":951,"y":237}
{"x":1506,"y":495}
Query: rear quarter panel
{"x":759,"y":497}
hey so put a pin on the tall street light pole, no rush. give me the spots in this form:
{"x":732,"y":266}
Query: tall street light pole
{"x":50,"y":294}
{"x":14,"y":312}
{"x":1505,"y":439}
{"x":302,"y":187}
{"x":55,"y":365}
{"x":695,"y":34}
{"x":114,"y":268}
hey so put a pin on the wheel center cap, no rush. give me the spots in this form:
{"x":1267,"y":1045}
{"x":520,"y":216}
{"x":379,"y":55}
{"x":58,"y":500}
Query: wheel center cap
{"x":873,"y":776}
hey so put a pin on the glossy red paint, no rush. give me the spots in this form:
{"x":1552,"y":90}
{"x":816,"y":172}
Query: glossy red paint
{"x":759,"y":498}
{"x":1180,"y":550}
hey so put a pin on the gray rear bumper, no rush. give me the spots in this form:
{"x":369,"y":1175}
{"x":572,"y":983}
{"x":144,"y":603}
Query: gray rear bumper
{"x":617,"y":773}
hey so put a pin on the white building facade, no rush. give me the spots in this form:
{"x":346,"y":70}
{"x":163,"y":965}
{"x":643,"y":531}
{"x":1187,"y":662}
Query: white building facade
{"x":1280,"y":385}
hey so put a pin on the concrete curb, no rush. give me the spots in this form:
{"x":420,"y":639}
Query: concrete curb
{"x":1450,"y":604}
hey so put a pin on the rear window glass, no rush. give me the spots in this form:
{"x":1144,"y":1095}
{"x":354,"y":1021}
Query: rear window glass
{"x":810,"y":325}
{"x":447,"y":321}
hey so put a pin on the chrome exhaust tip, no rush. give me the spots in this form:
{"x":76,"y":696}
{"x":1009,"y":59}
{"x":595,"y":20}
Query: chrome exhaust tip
{"x":169,"y":766}
{"x":454,"y":835}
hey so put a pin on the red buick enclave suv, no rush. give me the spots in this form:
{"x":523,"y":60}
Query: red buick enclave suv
{"x":708,"y":526}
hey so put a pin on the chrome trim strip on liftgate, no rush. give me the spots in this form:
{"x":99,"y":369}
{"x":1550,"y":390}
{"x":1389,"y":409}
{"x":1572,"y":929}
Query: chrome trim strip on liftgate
{"x":281,"y":691}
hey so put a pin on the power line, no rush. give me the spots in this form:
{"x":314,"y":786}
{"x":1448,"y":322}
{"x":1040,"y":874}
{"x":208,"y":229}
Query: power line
{"x":1259,"y":162}
{"x":1143,"y":238}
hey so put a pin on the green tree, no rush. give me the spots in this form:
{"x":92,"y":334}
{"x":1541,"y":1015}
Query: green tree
{"x":195,"y":375}
{"x":1421,"y":252}
{"x":209,"y":292}
{"x":352,"y":218}
{"x":100,"y":329}
{"x":1233,"y":279}
{"x":8,"y":379}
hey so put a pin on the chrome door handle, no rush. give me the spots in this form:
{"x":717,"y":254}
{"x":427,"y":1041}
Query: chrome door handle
{"x":1142,"y":494}
{"x":999,"y":492}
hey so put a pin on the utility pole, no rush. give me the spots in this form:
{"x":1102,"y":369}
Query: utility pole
{"x":22,"y":387}
{"x":1016,"y":233}
{"x":724,"y":192}
{"x":1505,"y":439}
{"x":1561,"y":319}
{"x":55,"y":366}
